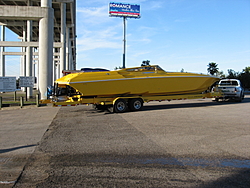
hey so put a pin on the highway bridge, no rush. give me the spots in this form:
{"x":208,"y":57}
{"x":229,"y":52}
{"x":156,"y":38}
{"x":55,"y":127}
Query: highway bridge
{"x":47,"y":33}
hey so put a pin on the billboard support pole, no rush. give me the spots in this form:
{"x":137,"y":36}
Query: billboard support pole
{"x":125,"y":11}
{"x":124,"y":42}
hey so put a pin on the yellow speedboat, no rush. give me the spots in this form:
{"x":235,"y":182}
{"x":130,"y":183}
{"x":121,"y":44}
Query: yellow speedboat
{"x":140,"y":81}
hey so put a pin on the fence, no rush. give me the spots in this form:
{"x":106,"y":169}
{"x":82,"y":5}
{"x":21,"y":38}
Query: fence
{"x":18,"y":98}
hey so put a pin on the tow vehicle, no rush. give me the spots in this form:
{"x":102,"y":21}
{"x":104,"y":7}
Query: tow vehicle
{"x":231,"y":89}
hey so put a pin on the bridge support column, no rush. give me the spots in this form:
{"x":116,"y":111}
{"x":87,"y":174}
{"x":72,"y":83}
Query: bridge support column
{"x":2,"y":57}
{"x":45,"y":63}
{"x":29,"y":59}
{"x":63,"y":39}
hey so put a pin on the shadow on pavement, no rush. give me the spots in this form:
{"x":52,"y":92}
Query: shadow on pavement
{"x":16,"y":148}
{"x":192,"y":105}
{"x":105,"y":164}
{"x":239,"y":179}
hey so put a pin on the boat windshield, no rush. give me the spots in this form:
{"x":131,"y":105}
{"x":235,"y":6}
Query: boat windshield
{"x":145,"y":68}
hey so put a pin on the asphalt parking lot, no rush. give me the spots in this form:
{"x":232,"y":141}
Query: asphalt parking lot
{"x":191,"y":143}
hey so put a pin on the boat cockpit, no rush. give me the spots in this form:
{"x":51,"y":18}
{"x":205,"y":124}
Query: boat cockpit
{"x":151,"y":68}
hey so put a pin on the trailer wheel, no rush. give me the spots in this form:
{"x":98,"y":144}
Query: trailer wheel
{"x":135,"y":104}
{"x":216,"y":100}
{"x":120,"y":106}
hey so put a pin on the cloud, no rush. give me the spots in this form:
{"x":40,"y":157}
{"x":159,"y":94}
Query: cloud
{"x":151,"y":5}
{"x":142,"y":53}
{"x":145,"y":34}
{"x":94,"y":39}
{"x":85,"y":44}
{"x":96,"y":29}
{"x":92,"y":15}
{"x":92,"y":11}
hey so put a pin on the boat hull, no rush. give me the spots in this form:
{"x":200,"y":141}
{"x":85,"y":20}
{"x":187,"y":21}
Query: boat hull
{"x":144,"y":86}
{"x":137,"y":81}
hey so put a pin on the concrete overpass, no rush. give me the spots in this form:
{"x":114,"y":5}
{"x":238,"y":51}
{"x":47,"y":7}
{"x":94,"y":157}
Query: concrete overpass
{"x":47,"y":33}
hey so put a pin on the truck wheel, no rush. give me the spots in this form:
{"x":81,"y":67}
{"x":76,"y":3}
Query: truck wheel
{"x":240,"y":98}
{"x":135,"y":104}
{"x":120,"y":106}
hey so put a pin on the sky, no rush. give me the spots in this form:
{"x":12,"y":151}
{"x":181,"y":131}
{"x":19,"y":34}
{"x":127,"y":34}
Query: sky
{"x":174,"y":34}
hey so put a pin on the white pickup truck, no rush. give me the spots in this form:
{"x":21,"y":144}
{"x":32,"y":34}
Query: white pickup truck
{"x":231,"y":89}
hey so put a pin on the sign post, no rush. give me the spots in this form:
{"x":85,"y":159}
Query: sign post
{"x":125,"y":11}
{"x":124,"y":42}
{"x":26,"y":81}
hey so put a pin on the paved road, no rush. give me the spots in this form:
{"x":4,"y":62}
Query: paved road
{"x":192,"y":143}
{"x":21,"y":130}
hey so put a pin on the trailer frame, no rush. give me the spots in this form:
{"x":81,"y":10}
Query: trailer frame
{"x":123,"y":103}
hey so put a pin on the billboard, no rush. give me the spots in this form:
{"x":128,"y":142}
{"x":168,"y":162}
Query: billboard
{"x":124,"y":10}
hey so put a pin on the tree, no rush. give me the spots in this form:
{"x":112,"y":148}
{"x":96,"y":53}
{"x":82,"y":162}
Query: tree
{"x":221,"y":74}
{"x":244,"y":77}
{"x":116,"y":68}
{"x":145,"y":63}
{"x":212,"y":68}
{"x":232,"y":74}
{"x":246,"y":70}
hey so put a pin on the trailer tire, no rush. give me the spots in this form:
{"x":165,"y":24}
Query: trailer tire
{"x":216,"y":100}
{"x":135,"y":104}
{"x":120,"y":106}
